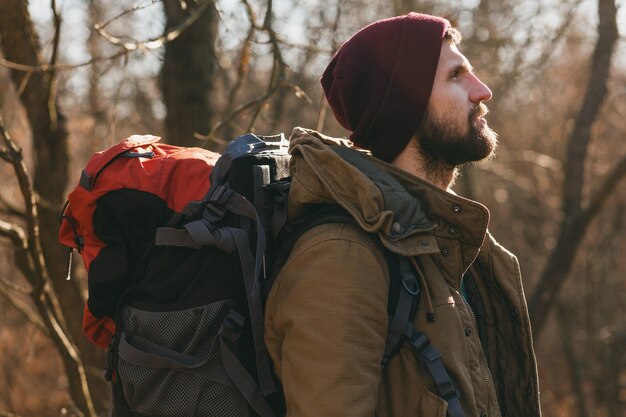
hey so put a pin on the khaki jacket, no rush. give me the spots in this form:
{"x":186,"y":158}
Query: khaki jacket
{"x":326,"y":315}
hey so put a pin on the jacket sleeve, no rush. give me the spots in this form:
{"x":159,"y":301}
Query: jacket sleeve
{"x":326,"y":323}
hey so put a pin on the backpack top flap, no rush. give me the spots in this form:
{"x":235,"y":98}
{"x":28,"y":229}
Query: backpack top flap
{"x":101,"y":159}
{"x":174,"y":174}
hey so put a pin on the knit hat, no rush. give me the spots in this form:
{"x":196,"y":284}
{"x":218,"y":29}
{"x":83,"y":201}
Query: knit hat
{"x":379,"y":82}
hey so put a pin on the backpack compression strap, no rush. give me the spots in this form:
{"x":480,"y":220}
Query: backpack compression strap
{"x":204,"y":232}
{"x":230,"y":372}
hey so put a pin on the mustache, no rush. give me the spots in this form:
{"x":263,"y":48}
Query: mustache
{"x":480,"y":110}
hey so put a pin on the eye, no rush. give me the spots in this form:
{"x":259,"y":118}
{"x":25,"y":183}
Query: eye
{"x":455,"y":74}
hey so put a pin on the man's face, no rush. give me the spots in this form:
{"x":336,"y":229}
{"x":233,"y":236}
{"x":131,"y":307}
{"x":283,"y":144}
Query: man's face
{"x":454,"y":129}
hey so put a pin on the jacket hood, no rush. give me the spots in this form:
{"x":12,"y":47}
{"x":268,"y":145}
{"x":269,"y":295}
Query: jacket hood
{"x":401,"y":208}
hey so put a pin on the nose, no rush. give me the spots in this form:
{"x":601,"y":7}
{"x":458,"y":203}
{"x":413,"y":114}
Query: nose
{"x":479,"y":91}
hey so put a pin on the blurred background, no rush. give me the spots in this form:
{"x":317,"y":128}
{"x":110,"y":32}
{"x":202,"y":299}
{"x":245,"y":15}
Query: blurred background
{"x":77,"y":76}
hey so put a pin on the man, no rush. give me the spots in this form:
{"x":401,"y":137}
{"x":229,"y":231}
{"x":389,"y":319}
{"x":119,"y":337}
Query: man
{"x":409,"y":96}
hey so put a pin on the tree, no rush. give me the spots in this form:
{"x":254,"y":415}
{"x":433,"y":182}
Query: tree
{"x":189,"y":69}
{"x":577,"y":218}
{"x":37,"y":84}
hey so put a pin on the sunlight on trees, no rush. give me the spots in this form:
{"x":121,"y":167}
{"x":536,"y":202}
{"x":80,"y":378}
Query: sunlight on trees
{"x":78,"y":76}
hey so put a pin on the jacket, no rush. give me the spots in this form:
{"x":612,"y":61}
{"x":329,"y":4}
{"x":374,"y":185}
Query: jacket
{"x":326,"y":315}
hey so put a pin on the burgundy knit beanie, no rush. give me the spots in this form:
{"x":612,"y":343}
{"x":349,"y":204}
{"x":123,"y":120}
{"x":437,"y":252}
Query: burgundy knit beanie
{"x":379,"y":82}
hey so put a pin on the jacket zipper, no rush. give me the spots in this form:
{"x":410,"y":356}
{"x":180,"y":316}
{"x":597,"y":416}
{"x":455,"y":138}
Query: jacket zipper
{"x":482,"y":366}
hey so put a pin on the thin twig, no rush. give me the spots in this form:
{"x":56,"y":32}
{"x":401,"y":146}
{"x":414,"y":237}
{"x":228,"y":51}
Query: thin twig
{"x":15,"y":287}
{"x":159,"y":41}
{"x":256,"y":102}
{"x":242,"y":69}
{"x":59,"y":67}
{"x":15,"y":234}
{"x":605,"y":191}
{"x":517,"y":69}
{"x":321,"y":115}
{"x":278,"y":68}
{"x":128,"y":11}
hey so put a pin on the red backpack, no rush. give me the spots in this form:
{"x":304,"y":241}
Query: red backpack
{"x":138,"y":181}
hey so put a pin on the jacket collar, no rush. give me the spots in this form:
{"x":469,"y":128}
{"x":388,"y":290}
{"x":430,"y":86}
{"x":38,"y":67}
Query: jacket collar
{"x":406,"y":212}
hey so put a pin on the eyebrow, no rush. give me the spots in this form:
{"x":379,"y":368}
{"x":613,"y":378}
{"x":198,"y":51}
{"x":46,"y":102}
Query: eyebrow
{"x":465,"y":66}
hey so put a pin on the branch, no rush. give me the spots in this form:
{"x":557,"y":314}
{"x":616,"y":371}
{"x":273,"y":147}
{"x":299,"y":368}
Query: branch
{"x":277,"y":78}
{"x":242,"y":68}
{"x":15,"y":287}
{"x":7,"y":414}
{"x":13,"y":155}
{"x":321,"y":115}
{"x":125,"y":12}
{"x":278,"y":67}
{"x":256,"y":102}
{"x":595,"y":93}
{"x":25,"y":309}
{"x":159,"y":41}
{"x":9,"y":209}
{"x":15,"y":234}
{"x":58,"y":67}
{"x":605,"y":191}
{"x":52,"y":81}
{"x":508,"y":80}
{"x":20,"y":243}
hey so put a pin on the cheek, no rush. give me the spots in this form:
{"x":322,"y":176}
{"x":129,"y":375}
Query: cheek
{"x":451,"y":99}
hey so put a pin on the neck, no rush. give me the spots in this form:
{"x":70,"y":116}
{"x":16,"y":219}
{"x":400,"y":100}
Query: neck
{"x":416,"y":162}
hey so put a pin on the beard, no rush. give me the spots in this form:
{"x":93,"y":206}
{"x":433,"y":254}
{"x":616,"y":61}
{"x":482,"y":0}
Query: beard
{"x":443,"y":139}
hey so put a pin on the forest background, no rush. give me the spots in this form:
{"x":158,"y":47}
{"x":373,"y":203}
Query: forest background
{"x":77,"y":76}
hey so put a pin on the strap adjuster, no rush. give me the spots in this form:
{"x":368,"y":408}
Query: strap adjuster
{"x":447,"y":391}
{"x":216,"y":200}
{"x":234,"y":320}
{"x":220,"y":195}
{"x":419,"y":342}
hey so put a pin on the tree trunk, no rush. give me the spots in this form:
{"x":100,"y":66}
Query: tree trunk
{"x":187,"y":76}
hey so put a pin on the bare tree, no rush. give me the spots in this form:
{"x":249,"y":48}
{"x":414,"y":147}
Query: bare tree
{"x":38,"y":95}
{"x":576,"y":217}
{"x":31,"y":261}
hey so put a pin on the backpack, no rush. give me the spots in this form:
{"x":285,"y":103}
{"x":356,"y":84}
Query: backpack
{"x":181,"y":246}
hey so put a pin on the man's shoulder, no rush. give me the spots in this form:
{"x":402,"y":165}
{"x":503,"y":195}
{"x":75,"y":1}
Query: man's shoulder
{"x":336,"y":235}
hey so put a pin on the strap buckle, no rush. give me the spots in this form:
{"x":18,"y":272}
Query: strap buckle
{"x":220,"y":195}
{"x":233,"y":323}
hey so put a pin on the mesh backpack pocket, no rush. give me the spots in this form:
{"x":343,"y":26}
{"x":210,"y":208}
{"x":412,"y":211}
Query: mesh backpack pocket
{"x":170,"y":363}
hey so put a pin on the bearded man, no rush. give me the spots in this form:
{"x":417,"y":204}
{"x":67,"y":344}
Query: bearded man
{"x":406,"y":94}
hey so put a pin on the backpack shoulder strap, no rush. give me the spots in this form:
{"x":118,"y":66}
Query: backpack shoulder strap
{"x":404,"y":299}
